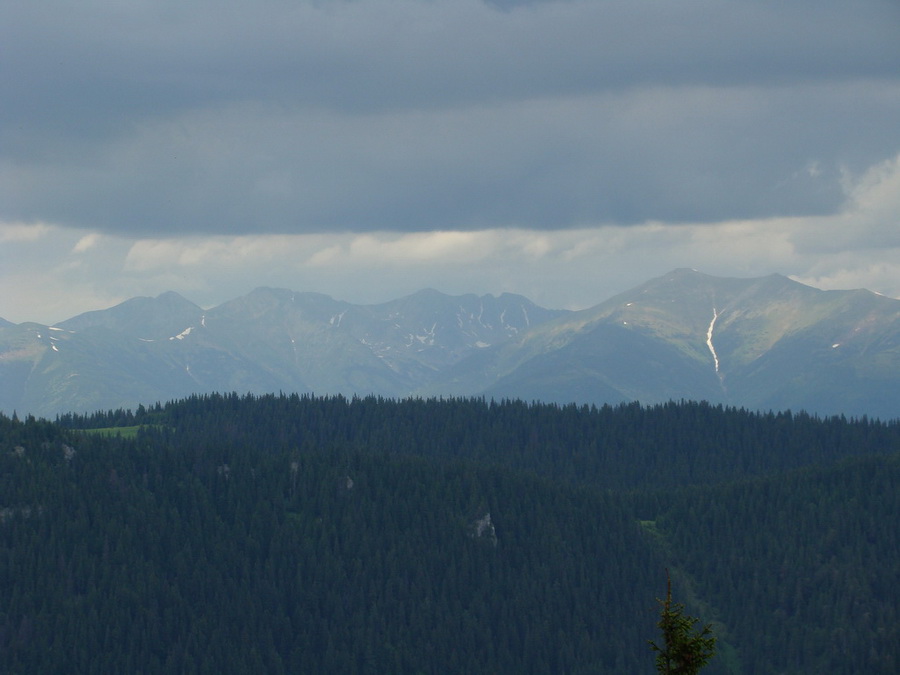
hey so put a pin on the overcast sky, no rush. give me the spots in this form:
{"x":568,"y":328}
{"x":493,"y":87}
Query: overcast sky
{"x":565,"y":150}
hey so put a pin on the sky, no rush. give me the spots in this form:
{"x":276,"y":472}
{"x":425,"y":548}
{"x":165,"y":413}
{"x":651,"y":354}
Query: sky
{"x":566,"y":150}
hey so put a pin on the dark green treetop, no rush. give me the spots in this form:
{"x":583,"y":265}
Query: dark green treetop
{"x":684,"y":650}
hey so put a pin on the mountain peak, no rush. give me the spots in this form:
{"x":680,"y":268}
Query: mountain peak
{"x":691,"y":274}
{"x":287,"y":295}
{"x":173,"y":298}
{"x":142,"y":316}
{"x":266,"y":299}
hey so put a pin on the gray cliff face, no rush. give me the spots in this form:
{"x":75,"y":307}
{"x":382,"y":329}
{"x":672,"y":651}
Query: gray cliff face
{"x":765,"y":343}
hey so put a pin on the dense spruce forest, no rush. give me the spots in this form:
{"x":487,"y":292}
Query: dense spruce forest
{"x":293,"y":534}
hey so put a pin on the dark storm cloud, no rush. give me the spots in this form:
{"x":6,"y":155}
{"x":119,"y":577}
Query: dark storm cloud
{"x":164,"y":117}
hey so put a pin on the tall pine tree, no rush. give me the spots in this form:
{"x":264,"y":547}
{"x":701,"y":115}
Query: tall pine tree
{"x":684,"y":650}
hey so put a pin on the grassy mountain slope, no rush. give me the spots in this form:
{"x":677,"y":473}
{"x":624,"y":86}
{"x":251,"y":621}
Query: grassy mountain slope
{"x":768,"y":343}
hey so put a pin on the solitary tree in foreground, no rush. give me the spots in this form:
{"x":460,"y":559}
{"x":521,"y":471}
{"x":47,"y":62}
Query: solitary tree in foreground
{"x":684,"y":651}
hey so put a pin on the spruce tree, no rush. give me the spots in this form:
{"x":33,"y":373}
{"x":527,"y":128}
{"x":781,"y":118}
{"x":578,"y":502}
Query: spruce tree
{"x":684,"y":650}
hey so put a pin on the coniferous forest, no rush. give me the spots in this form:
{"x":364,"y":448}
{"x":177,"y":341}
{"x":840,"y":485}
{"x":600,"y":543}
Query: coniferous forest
{"x":298,"y":534}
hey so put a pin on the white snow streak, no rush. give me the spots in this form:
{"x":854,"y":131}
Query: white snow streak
{"x":183,"y":334}
{"x":709,"y":342}
{"x":428,"y":337}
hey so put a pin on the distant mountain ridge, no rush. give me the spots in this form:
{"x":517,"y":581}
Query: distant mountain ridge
{"x":762,"y":343}
{"x":149,"y":349}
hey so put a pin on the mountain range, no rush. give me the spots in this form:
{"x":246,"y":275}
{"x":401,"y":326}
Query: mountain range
{"x":765,"y":343}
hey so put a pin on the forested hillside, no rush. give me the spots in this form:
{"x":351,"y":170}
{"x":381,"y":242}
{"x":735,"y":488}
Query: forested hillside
{"x":802,"y":567}
{"x":303,"y":534}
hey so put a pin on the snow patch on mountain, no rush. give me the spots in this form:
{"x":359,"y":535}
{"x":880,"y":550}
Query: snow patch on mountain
{"x":427,"y":338}
{"x":481,"y":314}
{"x":183,"y":334}
{"x":709,"y":340}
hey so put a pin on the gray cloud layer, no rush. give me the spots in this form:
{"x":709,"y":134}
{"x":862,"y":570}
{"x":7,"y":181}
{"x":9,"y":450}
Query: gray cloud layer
{"x":233,"y":117}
